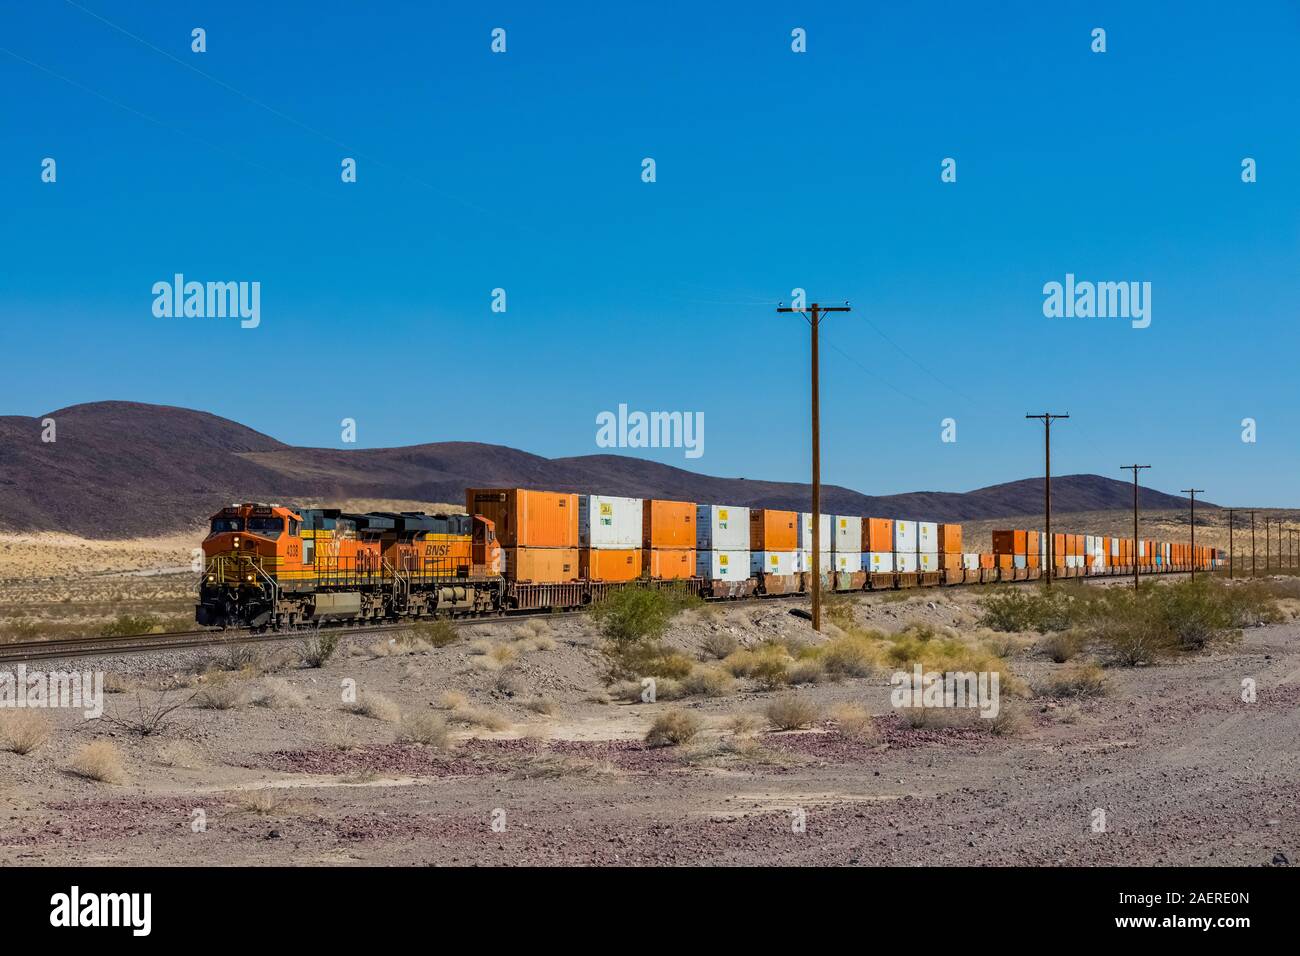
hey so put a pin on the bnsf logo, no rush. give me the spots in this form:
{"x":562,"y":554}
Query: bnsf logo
{"x":437,"y":550}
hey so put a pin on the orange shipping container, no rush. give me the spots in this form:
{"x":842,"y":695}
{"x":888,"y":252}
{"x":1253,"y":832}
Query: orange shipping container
{"x":675,"y":564}
{"x":1035,"y":559}
{"x":986,"y":560}
{"x":950,"y":560}
{"x":668,"y":524}
{"x":1006,"y":560}
{"x":877,"y":535}
{"x":1033,"y":544}
{"x":1058,"y":545}
{"x":609,"y":564}
{"x":542,"y":565}
{"x":950,"y":539}
{"x":527,"y":519}
{"x":771,"y":530}
{"x":1009,"y":542}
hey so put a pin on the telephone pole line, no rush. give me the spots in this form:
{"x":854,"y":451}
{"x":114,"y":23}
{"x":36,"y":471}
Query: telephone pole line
{"x":1137,"y":548}
{"x":1193,"y":492}
{"x":813,"y":317}
{"x":1230,"y":511}
{"x":1047,"y":418}
{"x":1252,"y":543}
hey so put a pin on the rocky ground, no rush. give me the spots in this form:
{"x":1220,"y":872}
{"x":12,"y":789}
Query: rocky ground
{"x":544,"y":767}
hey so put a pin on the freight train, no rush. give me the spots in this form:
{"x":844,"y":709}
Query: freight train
{"x":269,"y":566}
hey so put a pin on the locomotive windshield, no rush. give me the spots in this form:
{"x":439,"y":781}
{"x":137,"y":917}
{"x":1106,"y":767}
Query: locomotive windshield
{"x":266,"y":527}
{"x":221,"y":525}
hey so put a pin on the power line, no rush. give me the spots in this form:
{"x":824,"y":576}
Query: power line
{"x":1047,"y":418}
{"x":1137,"y":547}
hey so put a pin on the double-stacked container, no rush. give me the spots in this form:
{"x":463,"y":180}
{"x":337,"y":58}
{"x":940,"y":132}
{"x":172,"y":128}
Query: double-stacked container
{"x":1010,"y":548}
{"x":537,"y":531}
{"x":1034,"y":549}
{"x":878,"y":545}
{"x":667,"y":539}
{"x":773,"y":548}
{"x":722,"y":543}
{"x":609,"y":537}
{"x":905,"y":559}
{"x":927,"y":547}
{"x":950,"y":558}
{"x":846,"y":549}
{"x":805,"y":556}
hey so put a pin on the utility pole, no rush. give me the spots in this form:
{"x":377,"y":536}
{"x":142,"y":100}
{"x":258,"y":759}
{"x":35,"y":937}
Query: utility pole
{"x":1230,"y":511}
{"x":1252,"y":544}
{"x":1266,"y":540}
{"x":1136,"y":546}
{"x":1047,"y":418}
{"x":814,"y":320}
{"x":1194,"y":492}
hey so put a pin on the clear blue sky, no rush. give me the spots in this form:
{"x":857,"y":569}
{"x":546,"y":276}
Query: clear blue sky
{"x":775,"y":170}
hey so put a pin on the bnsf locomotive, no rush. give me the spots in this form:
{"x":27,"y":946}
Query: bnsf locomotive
{"x":270,"y":566}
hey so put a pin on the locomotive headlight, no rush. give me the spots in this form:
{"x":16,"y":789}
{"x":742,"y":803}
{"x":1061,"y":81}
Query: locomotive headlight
{"x":250,"y":579}
{"x":236,"y":542}
{"x":211,"y":578}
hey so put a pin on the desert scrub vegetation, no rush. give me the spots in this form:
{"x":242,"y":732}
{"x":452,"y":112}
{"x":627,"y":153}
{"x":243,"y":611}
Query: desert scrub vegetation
{"x":316,"y":650}
{"x":1040,"y":609}
{"x":101,"y":761}
{"x":436,"y":633}
{"x":278,"y":694}
{"x":673,"y":728}
{"x":23,"y":731}
{"x":129,"y":625}
{"x":852,"y":720}
{"x":377,"y":707}
{"x":1077,"y":680}
{"x":632,"y":622}
{"x":790,"y":712}
{"x":708,"y":682}
{"x":427,"y":730}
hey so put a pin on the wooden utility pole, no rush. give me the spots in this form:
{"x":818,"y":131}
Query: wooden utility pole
{"x":813,"y":317}
{"x":1047,"y":418}
{"x":1266,"y":540}
{"x":1252,"y":544}
{"x":1193,"y":492}
{"x":1137,"y":547}
{"x":1230,"y":511}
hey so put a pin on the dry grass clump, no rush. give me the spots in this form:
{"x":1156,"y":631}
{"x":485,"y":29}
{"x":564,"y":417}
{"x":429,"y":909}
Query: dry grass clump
{"x":549,"y":765}
{"x":278,"y":694}
{"x":480,"y":717}
{"x":639,"y":692}
{"x":930,"y":718}
{"x":790,"y":712}
{"x":719,"y":645}
{"x":428,"y":730}
{"x":1078,"y":680}
{"x":1010,"y":721}
{"x":852,"y":654}
{"x":268,"y":802}
{"x":745,"y":724}
{"x":437,"y":633}
{"x":23,"y":731}
{"x":709,"y":682}
{"x":221,"y":695}
{"x":180,"y":754}
{"x":852,"y":720}
{"x":452,"y":700}
{"x":542,"y":705}
{"x":1062,"y":646}
{"x":377,"y":707}
{"x":810,"y":670}
{"x":117,"y":684}
{"x":673,"y":728}
{"x":99,"y":760}
{"x":509,"y":684}
{"x":768,"y":664}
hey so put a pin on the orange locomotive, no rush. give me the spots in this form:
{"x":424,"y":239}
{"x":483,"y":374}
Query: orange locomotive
{"x":270,"y":566}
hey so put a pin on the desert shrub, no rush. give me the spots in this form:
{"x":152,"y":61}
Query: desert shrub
{"x":720,"y":644}
{"x":220,"y":695}
{"x":790,"y":712}
{"x":278,"y":694}
{"x":1077,"y":680}
{"x":452,"y":700}
{"x":632,"y":620}
{"x":437,"y":633}
{"x":852,"y":720}
{"x":480,"y":717}
{"x":23,"y":731}
{"x":100,"y":760}
{"x":150,"y":716}
{"x":377,"y":707}
{"x":316,"y":650}
{"x":1010,"y":720}
{"x":708,"y":682}
{"x":839,"y":611}
{"x":672,"y":729}
{"x":850,"y":655}
{"x":1062,"y":646}
{"x":128,"y":625}
{"x":1024,"y":609}
{"x":509,"y":684}
{"x":745,"y":725}
{"x":429,"y":730}
{"x":545,"y":706}
{"x":810,"y":670}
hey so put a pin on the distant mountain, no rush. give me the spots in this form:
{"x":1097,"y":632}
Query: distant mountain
{"x":122,"y":469}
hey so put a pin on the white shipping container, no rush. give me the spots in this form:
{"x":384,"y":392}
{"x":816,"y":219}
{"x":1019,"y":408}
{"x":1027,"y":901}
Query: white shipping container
{"x":1020,"y":560}
{"x":879,"y":562}
{"x":721,"y":527}
{"x":773,"y":562}
{"x":1114,"y":547}
{"x":804,"y":562}
{"x":730,"y":565}
{"x":1142,"y":548}
{"x":928,"y":562}
{"x":847,"y":534}
{"x":927,"y":537}
{"x":805,"y":532}
{"x":848,"y":561}
{"x":608,"y":522}
{"x":970,"y":562}
{"x":904,"y":537}
{"x":905,"y":561}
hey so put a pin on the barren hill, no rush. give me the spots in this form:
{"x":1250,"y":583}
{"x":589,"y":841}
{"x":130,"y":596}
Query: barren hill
{"x":120,"y":469}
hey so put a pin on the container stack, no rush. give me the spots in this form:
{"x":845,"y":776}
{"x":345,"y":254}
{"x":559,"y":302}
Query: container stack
{"x":1011,"y":548}
{"x":609,"y":537}
{"x":878,"y":545}
{"x":846,"y":544}
{"x":667,"y":539}
{"x":721,"y":543}
{"x":537,"y":531}
{"x":950,"y":547}
{"x":805,"y":558}
{"x":1034,"y":549}
{"x":927,"y":547}
{"x":905,"y":555}
{"x":773,"y":544}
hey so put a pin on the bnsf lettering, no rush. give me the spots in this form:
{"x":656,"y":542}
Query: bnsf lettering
{"x":437,"y":550}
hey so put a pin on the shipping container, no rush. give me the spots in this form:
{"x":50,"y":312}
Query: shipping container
{"x":610,"y":564}
{"x":970,"y":561}
{"x":773,"y":562}
{"x":527,"y":519}
{"x":1034,"y":543}
{"x":729,"y":565}
{"x":540,"y":565}
{"x":846,"y":532}
{"x":848,"y":561}
{"x":878,"y":535}
{"x":606,"y":522}
{"x":1020,"y":561}
{"x":905,"y":562}
{"x":771,"y":530}
{"x":986,"y":561}
{"x":668,"y":524}
{"x":927,"y":537}
{"x":879,"y":562}
{"x":950,"y":538}
{"x":927,"y":562}
{"x":950,"y":560}
{"x":804,"y":562}
{"x":722,"y":528}
{"x":1010,"y":542}
{"x":668,"y":564}
{"x":905,"y":538}
{"x":805,"y":532}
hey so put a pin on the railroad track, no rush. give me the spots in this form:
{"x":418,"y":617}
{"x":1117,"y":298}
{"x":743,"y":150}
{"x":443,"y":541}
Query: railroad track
{"x":181,"y":640}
